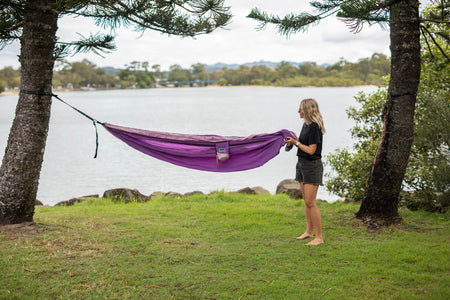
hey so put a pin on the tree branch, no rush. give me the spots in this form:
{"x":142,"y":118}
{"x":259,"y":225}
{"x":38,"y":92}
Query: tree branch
{"x":426,"y":41}
{"x":434,"y":21}
{"x":436,"y":43}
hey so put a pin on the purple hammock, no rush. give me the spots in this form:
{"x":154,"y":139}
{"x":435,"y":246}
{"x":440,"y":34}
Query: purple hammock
{"x":205,"y":152}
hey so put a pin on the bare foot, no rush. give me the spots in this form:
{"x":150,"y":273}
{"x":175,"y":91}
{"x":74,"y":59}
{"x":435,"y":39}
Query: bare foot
{"x":315,"y":242}
{"x":305,"y":236}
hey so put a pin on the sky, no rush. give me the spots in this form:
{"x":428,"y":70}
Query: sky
{"x":238,"y":43}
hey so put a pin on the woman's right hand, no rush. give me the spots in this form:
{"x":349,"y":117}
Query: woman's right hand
{"x":290,"y":141}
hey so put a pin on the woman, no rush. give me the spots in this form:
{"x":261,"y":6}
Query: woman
{"x":309,"y":171}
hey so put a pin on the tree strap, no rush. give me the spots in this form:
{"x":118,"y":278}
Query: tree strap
{"x":402,"y":94}
{"x":94,"y":121}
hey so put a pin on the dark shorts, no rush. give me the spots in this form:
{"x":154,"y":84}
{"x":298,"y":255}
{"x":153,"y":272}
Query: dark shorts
{"x":309,"y":171}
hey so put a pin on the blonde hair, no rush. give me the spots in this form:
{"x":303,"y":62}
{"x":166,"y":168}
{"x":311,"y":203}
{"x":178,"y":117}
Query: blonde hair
{"x":311,"y":112}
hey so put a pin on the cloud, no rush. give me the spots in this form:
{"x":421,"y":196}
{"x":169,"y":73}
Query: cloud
{"x":9,"y":56}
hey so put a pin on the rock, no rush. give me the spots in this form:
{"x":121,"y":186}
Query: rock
{"x":156,"y":194}
{"x":290,"y":187}
{"x":75,"y":200}
{"x":38,"y":203}
{"x":247,"y":191}
{"x":346,"y":200}
{"x":125,"y":195}
{"x":193,"y":193}
{"x":257,"y":190}
{"x":173,"y":194}
{"x":260,"y":190}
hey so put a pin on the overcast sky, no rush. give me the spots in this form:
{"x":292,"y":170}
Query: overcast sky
{"x":239,"y":43}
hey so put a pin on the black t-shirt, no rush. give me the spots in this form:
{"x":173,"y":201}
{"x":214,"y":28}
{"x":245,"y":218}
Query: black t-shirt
{"x":310,"y":135}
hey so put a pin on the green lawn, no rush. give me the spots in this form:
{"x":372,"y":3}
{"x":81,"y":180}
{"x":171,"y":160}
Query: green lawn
{"x":221,"y":246}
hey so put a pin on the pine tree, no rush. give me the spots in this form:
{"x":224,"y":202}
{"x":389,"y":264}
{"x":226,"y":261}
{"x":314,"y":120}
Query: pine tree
{"x":34,"y":23}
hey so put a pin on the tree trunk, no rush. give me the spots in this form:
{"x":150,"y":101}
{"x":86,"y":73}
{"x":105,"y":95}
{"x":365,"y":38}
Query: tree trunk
{"x":19,"y":173}
{"x":380,"y":202}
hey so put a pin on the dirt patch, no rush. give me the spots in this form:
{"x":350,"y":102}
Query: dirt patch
{"x":23,"y":229}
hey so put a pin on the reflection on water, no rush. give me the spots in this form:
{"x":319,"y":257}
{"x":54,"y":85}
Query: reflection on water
{"x":69,"y":169}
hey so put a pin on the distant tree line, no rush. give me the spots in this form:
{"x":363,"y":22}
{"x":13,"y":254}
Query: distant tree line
{"x":367,"y":71}
{"x":87,"y":74}
{"x":9,"y":78}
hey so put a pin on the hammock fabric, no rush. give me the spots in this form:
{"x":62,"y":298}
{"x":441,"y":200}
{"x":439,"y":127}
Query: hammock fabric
{"x":204,"y":152}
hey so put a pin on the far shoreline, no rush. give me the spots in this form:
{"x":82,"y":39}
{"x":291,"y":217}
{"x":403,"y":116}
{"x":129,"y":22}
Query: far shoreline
{"x":16,"y":92}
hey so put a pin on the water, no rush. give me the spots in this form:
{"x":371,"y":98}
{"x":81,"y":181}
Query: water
{"x":69,"y":169}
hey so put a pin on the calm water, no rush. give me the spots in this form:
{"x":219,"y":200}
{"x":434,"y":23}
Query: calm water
{"x":69,"y":169}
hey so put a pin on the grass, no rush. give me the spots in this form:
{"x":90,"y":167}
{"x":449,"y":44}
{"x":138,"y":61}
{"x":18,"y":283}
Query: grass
{"x":220,"y":246}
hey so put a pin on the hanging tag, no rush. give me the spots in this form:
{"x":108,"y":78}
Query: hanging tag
{"x":222,"y":151}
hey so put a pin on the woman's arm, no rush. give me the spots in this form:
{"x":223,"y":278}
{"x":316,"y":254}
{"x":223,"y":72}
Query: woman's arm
{"x":311,"y":149}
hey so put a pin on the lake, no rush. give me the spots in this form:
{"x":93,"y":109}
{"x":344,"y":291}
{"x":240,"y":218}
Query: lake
{"x":69,"y":169}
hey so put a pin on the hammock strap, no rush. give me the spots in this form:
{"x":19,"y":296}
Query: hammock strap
{"x":402,"y":94}
{"x":94,"y":121}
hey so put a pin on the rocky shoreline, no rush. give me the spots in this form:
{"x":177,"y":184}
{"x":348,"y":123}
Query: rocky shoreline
{"x":287,"y":186}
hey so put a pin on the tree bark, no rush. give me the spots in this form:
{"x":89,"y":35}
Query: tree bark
{"x":381,"y":196}
{"x":21,"y":166}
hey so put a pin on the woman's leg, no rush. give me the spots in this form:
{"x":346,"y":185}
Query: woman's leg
{"x":310,"y":193}
{"x":309,"y":226}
